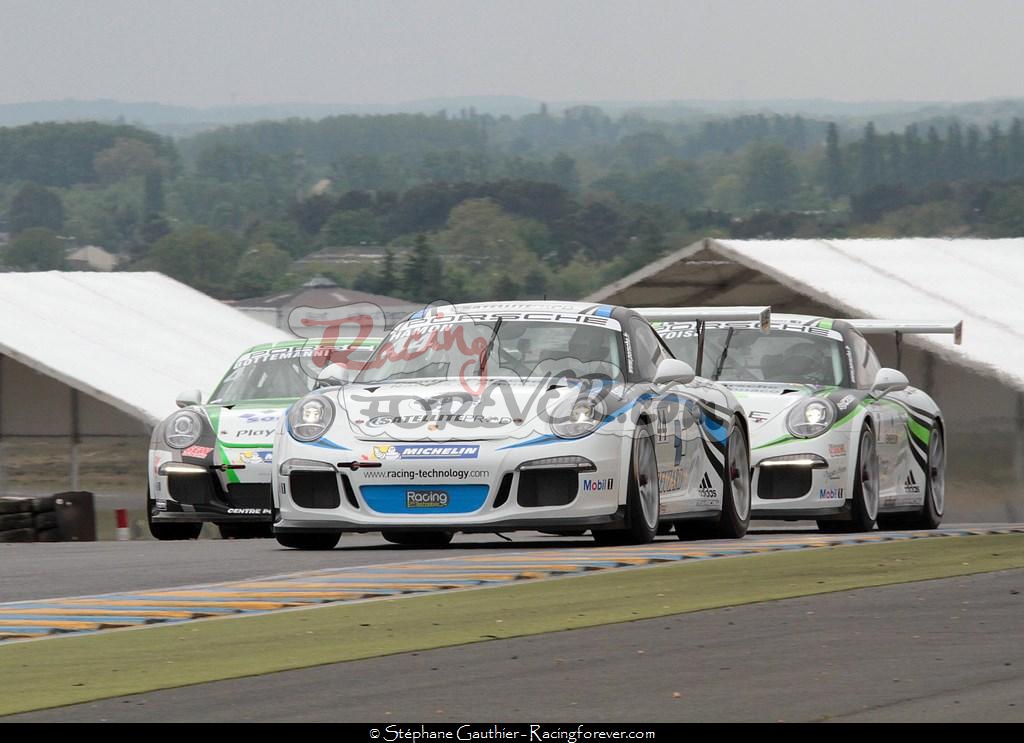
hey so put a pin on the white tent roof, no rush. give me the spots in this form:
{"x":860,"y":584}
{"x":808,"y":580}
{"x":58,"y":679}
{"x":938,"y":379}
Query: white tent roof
{"x":918,"y":279}
{"x":133,"y":340}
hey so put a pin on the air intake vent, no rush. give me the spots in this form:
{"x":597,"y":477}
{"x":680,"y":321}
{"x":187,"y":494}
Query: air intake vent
{"x":504,"y":490}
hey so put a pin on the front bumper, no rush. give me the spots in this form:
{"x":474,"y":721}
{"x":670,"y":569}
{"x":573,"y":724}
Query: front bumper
{"x":501,"y":487}
{"x":809,"y":478}
{"x":199,"y":494}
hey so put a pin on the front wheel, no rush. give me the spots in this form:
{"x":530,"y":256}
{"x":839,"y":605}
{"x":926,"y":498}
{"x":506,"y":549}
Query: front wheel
{"x":174,"y":532}
{"x":245,"y":531}
{"x":424,"y":539}
{"x":864,"y":507}
{"x":643,"y":497}
{"x":170,"y":531}
{"x":315,"y":541}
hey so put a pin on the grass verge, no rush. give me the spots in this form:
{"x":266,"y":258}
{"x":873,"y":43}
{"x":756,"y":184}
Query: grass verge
{"x":51,"y":673}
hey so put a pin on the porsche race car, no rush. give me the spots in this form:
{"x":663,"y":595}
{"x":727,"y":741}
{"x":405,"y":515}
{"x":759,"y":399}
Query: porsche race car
{"x":212,"y":462}
{"x":835,"y":437}
{"x":503,"y":416}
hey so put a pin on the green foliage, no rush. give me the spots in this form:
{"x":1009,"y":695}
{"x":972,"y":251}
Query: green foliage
{"x":64,"y":154}
{"x":259,"y":269}
{"x":357,"y":227}
{"x":35,"y":206}
{"x":36,"y":249}
{"x":423,"y":273}
{"x":126,"y":158}
{"x":198,"y":256}
{"x":770,"y":177}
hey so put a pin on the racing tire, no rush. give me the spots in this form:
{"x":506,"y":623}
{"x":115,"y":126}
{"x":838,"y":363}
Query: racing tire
{"x":930,"y":515}
{"x":245,"y":531}
{"x":175,"y":532}
{"x":864,"y":506}
{"x":734,"y":520}
{"x":643,"y":498}
{"x":327,"y":540}
{"x":423,"y":539}
{"x":170,"y":532}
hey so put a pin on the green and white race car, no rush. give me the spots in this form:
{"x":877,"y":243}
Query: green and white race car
{"x":834,"y":436}
{"x":212,"y":462}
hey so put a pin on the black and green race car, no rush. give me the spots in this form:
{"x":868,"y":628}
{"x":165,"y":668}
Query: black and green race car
{"x":835,"y":436}
{"x":212,"y":462}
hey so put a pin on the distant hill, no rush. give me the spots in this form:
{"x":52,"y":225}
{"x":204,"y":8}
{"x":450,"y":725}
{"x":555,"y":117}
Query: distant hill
{"x":185,"y":120}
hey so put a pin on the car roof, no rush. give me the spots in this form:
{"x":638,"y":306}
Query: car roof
{"x":300,"y":342}
{"x":537,"y":305}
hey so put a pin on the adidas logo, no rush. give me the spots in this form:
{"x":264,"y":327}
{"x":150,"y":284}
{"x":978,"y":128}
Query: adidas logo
{"x":911,"y":485}
{"x":706,"y":489}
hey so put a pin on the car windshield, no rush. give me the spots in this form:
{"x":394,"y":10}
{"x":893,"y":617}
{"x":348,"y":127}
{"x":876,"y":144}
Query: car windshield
{"x":747,"y":354}
{"x":273,"y":374}
{"x":502,"y":348}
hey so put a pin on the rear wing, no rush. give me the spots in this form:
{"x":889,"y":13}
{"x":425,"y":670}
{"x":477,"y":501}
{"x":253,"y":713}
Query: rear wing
{"x":900,"y":329}
{"x":910,"y":328}
{"x":701,"y":315}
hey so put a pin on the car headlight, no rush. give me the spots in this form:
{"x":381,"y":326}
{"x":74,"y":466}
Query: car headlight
{"x":310,"y":418}
{"x":577,"y":417}
{"x":183,"y":429}
{"x":811,"y":418}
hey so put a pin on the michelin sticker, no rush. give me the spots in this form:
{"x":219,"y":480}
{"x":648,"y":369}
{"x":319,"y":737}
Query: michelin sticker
{"x":407,"y":452}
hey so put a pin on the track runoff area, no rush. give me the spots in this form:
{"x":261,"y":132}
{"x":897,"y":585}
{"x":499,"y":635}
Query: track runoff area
{"x":63,"y":651}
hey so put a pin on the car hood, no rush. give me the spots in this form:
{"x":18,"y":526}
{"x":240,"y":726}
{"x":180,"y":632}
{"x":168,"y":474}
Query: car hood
{"x":450,"y":411}
{"x":247,"y":423}
{"x":763,"y":402}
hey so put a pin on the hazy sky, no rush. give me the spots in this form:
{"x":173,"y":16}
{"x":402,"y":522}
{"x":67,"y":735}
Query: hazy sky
{"x":207,"y":52}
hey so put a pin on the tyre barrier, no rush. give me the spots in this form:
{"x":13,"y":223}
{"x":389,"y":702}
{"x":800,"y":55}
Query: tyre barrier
{"x":61,"y":517}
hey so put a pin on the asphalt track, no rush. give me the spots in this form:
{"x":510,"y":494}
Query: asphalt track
{"x":459,"y":569}
{"x":941,"y":650}
{"x":41,"y":571}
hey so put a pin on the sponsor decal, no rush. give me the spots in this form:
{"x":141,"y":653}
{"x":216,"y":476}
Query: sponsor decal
{"x":911,"y":485}
{"x":594,"y":486}
{"x":252,"y":433}
{"x":264,"y":416}
{"x":274,"y":354}
{"x":426,"y":499}
{"x":161,"y":505}
{"x":837,"y":450}
{"x":831,"y":494}
{"x":396,"y":420}
{"x":836,"y":474}
{"x":671,"y":329}
{"x":629,"y":351}
{"x":673,"y":479}
{"x":891,"y":438}
{"x":250,"y":511}
{"x":432,"y":474}
{"x":197,"y":452}
{"x":846,"y":402}
{"x":707,"y":489}
{"x":390,"y":453}
{"x":758,"y":416}
{"x":252,"y":456}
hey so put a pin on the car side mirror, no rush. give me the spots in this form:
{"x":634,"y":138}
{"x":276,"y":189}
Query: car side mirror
{"x":334,"y":375}
{"x":673,"y":371}
{"x":888,"y":380}
{"x":186,"y":398}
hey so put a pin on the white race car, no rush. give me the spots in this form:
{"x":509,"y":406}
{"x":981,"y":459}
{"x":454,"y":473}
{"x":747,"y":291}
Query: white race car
{"x":502,"y":416}
{"x":213,"y":462}
{"x":835,"y":437}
